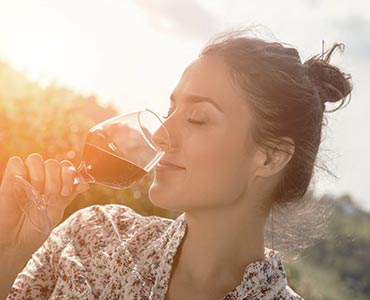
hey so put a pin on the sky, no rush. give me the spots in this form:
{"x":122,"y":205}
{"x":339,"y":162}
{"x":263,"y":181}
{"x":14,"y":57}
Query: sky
{"x":131,"y":53}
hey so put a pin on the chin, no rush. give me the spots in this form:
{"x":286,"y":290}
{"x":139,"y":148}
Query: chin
{"x":158,"y":195}
{"x":161,"y":197}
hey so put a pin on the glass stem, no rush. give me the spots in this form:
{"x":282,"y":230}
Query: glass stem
{"x":33,"y":204}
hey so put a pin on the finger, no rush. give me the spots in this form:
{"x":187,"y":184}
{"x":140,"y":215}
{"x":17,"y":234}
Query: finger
{"x":15,"y":167}
{"x":35,"y":167}
{"x":68,"y":175}
{"x":52,"y":179}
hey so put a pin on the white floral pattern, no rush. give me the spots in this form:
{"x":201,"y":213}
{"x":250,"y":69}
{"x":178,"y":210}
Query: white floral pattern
{"x":113,"y":252}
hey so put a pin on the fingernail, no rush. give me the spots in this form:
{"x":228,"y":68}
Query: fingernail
{"x":65,"y":191}
{"x":68,"y":170}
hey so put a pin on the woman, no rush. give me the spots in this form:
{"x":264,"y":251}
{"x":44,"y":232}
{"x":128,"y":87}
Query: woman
{"x":245,"y":125}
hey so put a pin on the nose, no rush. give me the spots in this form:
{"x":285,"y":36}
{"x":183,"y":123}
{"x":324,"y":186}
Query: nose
{"x":161,"y":138}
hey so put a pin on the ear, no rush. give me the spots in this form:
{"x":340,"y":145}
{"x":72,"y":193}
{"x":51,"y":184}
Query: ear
{"x":274,"y":159}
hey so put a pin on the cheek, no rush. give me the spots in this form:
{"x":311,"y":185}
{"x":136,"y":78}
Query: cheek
{"x":221,"y":152}
{"x":217,"y":171}
{"x":218,"y":168}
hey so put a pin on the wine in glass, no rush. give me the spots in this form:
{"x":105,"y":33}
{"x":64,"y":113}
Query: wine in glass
{"x":117,"y":153}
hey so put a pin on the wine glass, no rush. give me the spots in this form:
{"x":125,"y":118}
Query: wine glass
{"x":118,"y":152}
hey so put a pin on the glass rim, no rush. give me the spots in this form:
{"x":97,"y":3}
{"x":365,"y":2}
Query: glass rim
{"x":117,"y":117}
{"x":132,"y":112}
{"x":162,"y":126}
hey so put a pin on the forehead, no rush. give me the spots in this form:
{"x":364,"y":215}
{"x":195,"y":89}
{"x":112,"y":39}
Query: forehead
{"x":209,"y":76}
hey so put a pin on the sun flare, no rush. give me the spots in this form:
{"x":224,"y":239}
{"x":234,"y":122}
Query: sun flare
{"x":42,"y":58}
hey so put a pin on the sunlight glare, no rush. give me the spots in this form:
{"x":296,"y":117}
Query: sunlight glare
{"x":40,"y":57}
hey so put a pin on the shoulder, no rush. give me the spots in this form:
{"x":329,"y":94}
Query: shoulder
{"x":92,"y":242}
{"x":120,"y":218}
{"x":281,"y":288}
{"x":102,"y":214}
{"x":288,"y":294}
{"x":109,"y":223}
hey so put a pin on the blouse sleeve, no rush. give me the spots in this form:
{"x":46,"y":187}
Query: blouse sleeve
{"x":38,"y":278}
{"x":76,"y":249}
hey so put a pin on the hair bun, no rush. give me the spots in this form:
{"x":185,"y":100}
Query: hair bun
{"x":332,"y":84}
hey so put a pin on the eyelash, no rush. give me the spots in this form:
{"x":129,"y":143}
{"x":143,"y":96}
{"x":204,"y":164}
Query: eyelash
{"x":189,"y":120}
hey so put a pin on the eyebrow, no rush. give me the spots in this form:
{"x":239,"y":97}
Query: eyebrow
{"x":197,"y":98}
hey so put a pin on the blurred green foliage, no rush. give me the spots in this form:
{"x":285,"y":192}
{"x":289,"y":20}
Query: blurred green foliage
{"x":338,"y":266}
{"x":54,"y":121}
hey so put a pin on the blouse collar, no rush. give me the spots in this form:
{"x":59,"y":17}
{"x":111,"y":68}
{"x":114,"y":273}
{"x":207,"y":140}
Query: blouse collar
{"x":261,"y":279}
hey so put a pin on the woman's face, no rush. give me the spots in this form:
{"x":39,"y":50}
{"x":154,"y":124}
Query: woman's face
{"x":209,"y":127}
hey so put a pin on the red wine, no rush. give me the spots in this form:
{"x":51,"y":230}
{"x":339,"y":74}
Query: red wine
{"x":109,"y":169}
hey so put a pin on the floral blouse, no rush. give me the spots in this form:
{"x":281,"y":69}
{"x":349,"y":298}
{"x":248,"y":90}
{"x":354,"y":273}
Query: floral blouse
{"x":112,"y":252}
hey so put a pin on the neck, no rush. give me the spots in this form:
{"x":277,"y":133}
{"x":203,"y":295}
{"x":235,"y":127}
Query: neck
{"x":221,"y":242}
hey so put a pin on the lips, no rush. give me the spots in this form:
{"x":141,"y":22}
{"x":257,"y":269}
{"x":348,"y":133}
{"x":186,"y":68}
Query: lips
{"x":167,"y":164}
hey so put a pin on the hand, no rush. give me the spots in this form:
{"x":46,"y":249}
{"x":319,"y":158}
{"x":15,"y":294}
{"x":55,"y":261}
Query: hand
{"x":51,"y":178}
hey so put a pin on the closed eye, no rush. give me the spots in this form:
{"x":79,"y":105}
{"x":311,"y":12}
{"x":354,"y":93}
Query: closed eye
{"x":195,"y":122}
{"x":189,"y":120}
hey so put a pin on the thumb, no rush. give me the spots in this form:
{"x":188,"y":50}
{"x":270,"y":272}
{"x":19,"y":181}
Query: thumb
{"x":81,"y":187}
{"x":56,"y":209}
{"x":77,"y":189}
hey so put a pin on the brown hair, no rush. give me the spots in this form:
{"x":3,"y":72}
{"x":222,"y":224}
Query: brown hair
{"x":286,"y":97}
